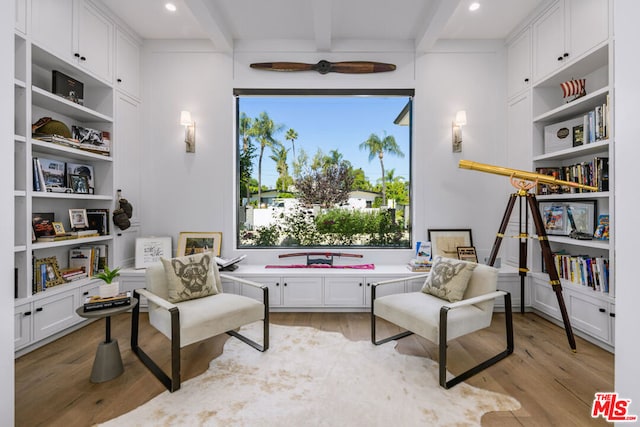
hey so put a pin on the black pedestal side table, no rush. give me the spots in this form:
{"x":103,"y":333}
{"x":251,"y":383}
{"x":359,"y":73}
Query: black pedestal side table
{"x":108,"y":363}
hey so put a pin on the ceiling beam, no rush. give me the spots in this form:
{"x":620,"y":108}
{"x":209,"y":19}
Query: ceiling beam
{"x":435,"y":21}
{"x":322,"y":24}
{"x":211,"y":22}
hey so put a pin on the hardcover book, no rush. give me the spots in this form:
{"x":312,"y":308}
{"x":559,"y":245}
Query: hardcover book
{"x":95,"y":302}
{"x":43,"y":224}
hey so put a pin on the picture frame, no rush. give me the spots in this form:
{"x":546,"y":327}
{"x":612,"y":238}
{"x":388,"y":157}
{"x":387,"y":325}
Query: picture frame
{"x":79,"y":183}
{"x":467,"y":253}
{"x":84,"y":170}
{"x":78,"y":218}
{"x":190,"y":242}
{"x":554,"y":217}
{"x":47,"y":273}
{"x":58,"y":229}
{"x":445,"y":242}
{"x":149,"y":250}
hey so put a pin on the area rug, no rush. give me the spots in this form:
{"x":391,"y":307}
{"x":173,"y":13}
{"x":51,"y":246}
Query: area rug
{"x":311,"y":377}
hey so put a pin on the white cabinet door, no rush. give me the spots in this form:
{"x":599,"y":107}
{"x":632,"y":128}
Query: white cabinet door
{"x":302,"y":291}
{"x":548,"y":41}
{"x":519,"y":133}
{"x":589,"y":315}
{"x":95,"y":41}
{"x":124,"y":244}
{"x":55,"y":313}
{"x":587,"y":23}
{"x":543,"y":298}
{"x":344,"y":291}
{"x":52,"y":26}
{"x":22,"y":325}
{"x":127,"y":64}
{"x":519,"y":63}
{"x":275,"y":289}
{"x":393,"y":288}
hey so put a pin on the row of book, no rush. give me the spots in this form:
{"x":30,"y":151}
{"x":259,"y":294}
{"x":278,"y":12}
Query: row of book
{"x":419,"y":265}
{"x":595,"y":125}
{"x":62,"y":177}
{"x":594,"y":173}
{"x":47,"y":229}
{"x":583,"y":270}
{"x":89,"y":258}
{"x":98,"y":142}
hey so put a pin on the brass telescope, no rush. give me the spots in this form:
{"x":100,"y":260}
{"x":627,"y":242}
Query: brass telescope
{"x":520,"y":174}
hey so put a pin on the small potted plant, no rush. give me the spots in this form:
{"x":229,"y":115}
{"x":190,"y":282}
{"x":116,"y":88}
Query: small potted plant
{"x":109,"y":288}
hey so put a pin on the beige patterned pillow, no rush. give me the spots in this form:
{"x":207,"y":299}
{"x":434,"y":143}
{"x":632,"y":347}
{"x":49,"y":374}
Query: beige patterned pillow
{"x":448,"y":278}
{"x":191,"y":277}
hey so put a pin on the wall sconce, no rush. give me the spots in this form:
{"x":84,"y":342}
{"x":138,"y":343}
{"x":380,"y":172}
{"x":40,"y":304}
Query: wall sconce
{"x":189,"y":131}
{"x":456,"y":130}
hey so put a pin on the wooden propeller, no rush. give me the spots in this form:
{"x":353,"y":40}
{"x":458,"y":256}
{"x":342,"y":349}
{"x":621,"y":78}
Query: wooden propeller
{"x":324,"y":67}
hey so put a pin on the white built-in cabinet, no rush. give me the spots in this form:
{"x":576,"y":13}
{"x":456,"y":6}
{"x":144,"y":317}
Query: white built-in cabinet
{"x":519,"y":63}
{"x":566,"y":31}
{"x":48,"y":34}
{"x":570,"y":40}
{"x":127,"y":64}
{"x":75,"y":31}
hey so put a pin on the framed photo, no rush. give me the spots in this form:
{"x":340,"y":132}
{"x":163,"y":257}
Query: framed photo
{"x":42,"y":224}
{"x":467,"y":253}
{"x":149,"y":250}
{"x":445,"y":242}
{"x":58,"y":229}
{"x":84,"y":170}
{"x":79,"y":183}
{"x":47,"y":273}
{"x":78,"y":218}
{"x":197,"y":242}
{"x":554,"y":217}
{"x":581,"y":216}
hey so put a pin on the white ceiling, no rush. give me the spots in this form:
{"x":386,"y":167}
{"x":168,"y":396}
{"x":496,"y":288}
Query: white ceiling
{"x":324,"y":22}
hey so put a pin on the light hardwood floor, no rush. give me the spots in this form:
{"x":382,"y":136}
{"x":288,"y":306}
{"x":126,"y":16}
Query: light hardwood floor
{"x":554,"y":385}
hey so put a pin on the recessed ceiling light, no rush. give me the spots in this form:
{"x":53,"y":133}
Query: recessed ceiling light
{"x":170,"y":7}
{"x":474,"y":6}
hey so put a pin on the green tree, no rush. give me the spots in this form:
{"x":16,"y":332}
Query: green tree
{"x":279,"y":155}
{"x":326,"y":186}
{"x":360,"y":181}
{"x":292,"y":135}
{"x":378,"y":147}
{"x":246,"y":154}
{"x":264,"y":129}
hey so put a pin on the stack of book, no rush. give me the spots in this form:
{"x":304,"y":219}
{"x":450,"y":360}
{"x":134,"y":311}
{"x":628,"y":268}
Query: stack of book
{"x":96,"y":302}
{"x":419,"y":264}
{"x":71,"y":274}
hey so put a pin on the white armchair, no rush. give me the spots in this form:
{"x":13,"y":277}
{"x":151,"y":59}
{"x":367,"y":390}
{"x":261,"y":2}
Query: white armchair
{"x":194,"y":320}
{"x":439,"y":320}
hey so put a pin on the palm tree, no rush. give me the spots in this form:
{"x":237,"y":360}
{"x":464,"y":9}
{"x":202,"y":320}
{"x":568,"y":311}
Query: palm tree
{"x":280,"y":157}
{"x":246,"y":133}
{"x":377,"y":146}
{"x":264,"y":130}
{"x":292,"y":135}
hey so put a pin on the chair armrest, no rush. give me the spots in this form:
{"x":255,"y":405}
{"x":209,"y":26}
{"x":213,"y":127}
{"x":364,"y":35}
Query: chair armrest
{"x":475,"y":300}
{"x":243,"y":281}
{"x":402,"y":279}
{"x":156,"y":299}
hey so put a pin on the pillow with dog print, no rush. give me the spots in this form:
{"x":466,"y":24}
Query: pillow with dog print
{"x":448,"y":278}
{"x":190,"y":277}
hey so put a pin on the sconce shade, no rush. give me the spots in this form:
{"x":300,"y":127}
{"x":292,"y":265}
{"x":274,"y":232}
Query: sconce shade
{"x":185,"y":118}
{"x":461,"y":118}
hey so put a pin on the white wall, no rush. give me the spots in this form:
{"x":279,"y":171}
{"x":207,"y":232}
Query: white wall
{"x":6,"y":215}
{"x":627,"y":231}
{"x":194,"y":192}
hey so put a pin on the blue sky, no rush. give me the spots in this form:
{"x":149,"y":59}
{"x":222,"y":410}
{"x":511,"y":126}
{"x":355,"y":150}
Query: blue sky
{"x":333,"y":123}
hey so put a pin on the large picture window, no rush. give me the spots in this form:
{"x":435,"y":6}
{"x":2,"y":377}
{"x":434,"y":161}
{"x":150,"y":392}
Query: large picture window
{"x":323,"y":169}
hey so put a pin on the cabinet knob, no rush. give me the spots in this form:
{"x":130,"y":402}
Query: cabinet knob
{"x":612,"y":315}
{"x":39,"y":309}
{"x":566,"y":55}
{"x":77,"y":55}
{"x":285,"y":283}
{"x":526,"y":80}
{"x":119,"y":80}
{"x":368,"y":284}
{"x":82,"y":58}
{"x":85,"y":293}
{"x":602,"y":310}
{"x":559,"y":58}
{"x":27,"y":313}
{"x":277,"y":283}
{"x":360,"y":284}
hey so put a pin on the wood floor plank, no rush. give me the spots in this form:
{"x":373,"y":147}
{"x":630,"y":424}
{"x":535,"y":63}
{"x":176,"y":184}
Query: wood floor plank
{"x":554,"y":385}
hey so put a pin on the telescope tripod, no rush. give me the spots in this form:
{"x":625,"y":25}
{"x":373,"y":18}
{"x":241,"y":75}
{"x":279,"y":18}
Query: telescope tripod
{"x":554,"y":279}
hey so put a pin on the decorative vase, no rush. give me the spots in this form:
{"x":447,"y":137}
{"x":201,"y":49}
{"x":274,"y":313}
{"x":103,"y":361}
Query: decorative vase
{"x":108,"y":290}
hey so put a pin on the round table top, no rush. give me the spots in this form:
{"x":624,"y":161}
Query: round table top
{"x":104,"y":312}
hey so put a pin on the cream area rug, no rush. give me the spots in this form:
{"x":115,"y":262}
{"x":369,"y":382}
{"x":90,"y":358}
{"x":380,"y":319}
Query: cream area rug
{"x":310,"y":377}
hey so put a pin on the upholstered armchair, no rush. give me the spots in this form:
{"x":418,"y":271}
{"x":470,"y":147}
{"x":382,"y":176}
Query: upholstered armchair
{"x":198,"y":311}
{"x":439,"y":315}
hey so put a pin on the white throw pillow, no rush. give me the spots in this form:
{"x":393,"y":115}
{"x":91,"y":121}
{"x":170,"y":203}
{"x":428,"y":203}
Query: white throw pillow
{"x":191,"y":276}
{"x":448,"y":278}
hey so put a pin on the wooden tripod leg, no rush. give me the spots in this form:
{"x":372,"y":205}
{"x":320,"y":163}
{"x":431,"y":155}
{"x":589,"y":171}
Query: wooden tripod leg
{"x":503,"y":228}
{"x":554,"y":279}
